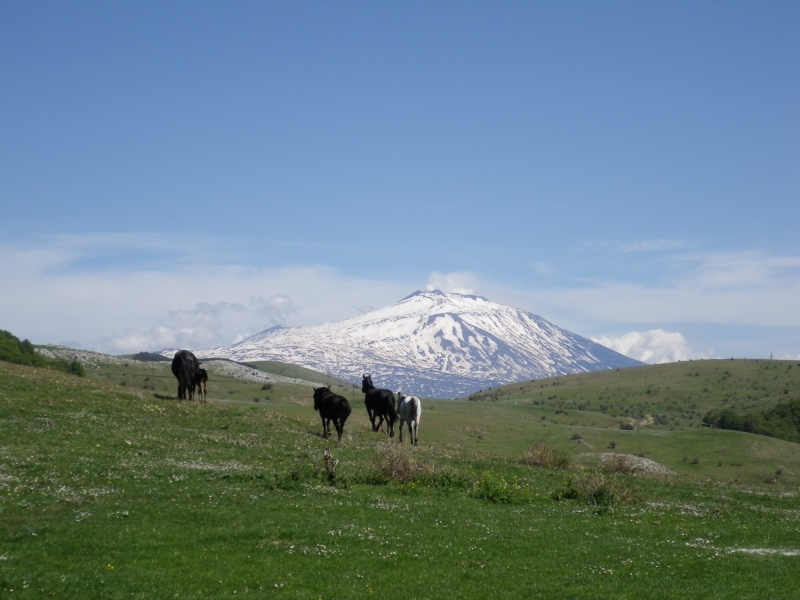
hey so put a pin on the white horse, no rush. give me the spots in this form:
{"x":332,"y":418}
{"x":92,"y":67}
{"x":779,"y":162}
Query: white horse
{"x":409,"y":408}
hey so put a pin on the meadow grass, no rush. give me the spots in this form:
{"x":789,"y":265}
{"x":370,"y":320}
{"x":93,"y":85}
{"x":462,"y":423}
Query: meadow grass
{"x":110,"y":492}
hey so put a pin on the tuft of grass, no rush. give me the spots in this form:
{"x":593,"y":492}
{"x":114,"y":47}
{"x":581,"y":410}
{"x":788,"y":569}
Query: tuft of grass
{"x":543,"y":456}
{"x":616,"y":463}
{"x":598,"y":489}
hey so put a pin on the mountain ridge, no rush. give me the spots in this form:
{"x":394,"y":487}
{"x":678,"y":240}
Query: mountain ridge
{"x":432,"y":344}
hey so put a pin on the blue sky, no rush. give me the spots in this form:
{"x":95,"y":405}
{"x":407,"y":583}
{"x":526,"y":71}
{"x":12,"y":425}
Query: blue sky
{"x":185,"y":174}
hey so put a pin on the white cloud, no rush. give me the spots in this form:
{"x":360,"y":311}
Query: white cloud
{"x":186,"y":303}
{"x":458,"y":282}
{"x":747,"y":288}
{"x":653,"y":245}
{"x":67,"y":290}
{"x":277,"y":308}
{"x":654,"y":346}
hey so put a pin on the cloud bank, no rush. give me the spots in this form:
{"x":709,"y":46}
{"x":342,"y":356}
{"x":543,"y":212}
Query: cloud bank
{"x":74,"y":290}
{"x":655,"y":346}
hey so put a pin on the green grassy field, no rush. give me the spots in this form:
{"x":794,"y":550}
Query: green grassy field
{"x":112,"y":492}
{"x":504,"y":421}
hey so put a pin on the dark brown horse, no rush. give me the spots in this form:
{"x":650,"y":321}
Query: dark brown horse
{"x":184,"y":367}
{"x":331,"y":407}
{"x":380,"y":405}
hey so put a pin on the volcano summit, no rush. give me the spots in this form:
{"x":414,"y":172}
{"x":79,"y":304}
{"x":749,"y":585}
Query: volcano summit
{"x":432,"y":344}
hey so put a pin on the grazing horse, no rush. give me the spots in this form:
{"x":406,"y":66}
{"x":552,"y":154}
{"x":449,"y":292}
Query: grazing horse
{"x":199,"y":382}
{"x":331,"y":407}
{"x":380,"y":405}
{"x":184,"y":366}
{"x":410,"y":410}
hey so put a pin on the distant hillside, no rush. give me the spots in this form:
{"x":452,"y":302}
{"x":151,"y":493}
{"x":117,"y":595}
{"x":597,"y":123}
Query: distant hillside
{"x":146,"y":357}
{"x":670,"y":395}
{"x":297,"y":372}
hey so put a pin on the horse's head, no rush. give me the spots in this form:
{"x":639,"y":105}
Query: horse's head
{"x":318,"y":395}
{"x":366,"y":384}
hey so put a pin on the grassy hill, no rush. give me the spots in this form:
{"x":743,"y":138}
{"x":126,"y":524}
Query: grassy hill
{"x":681,"y":393}
{"x":111,"y":491}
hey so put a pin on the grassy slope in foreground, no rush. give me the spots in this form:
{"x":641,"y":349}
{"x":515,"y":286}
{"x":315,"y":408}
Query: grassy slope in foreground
{"x":109,"y":493}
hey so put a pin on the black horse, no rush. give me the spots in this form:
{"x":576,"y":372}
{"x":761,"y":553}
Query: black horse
{"x":380,"y":405}
{"x":184,"y":367}
{"x":199,"y":382}
{"x":331,"y":407}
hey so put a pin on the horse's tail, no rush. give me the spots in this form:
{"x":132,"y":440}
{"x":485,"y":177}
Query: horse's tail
{"x":392,"y":413}
{"x":346,"y":410}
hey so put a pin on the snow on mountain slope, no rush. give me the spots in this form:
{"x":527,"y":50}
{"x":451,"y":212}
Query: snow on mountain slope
{"x":432,"y":344}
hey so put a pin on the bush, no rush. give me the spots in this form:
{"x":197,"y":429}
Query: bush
{"x":598,"y":489}
{"x":543,"y":456}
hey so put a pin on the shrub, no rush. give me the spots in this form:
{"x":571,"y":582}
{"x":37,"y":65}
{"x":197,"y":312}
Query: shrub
{"x":543,"y":456}
{"x":598,"y":489}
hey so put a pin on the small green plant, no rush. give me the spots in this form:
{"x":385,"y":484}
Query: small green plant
{"x":497,"y":490}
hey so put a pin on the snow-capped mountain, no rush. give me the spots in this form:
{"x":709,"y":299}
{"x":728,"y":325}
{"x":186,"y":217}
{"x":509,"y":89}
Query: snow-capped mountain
{"x":432,"y":344}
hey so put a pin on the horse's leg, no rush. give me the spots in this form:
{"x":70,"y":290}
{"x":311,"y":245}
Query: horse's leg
{"x":339,"y":428}
{"x":323,"y":426}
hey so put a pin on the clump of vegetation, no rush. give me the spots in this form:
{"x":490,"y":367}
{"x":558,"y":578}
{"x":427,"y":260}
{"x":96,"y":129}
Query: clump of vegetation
{"x":23,"y":353}
{"x":19,"y":352}
{"x":616,"y":463}
{"x":497,"y":490}
{"x":782,"y":421}
{"x":398,"y":463}
{"x":544,"y":456}
{"x":598,"y":489}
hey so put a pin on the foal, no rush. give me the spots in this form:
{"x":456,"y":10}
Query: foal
{"x":199,"y":382}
